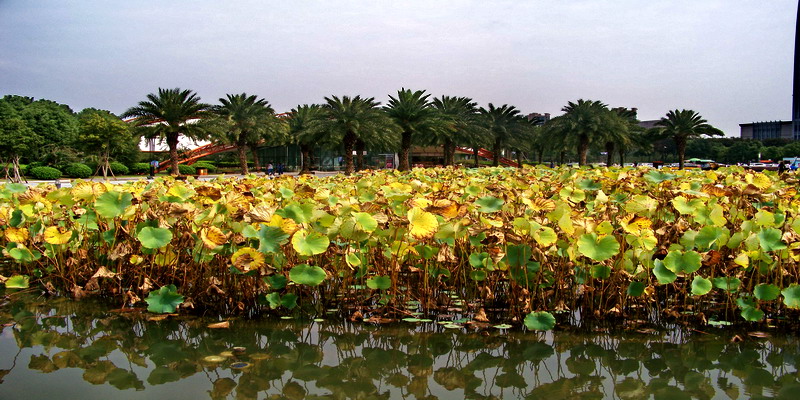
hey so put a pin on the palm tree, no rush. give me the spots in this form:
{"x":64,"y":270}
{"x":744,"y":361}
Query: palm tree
{"x":350,"y":119}
{"x":460,"y":116}
{"x":305,"y":125}
{"x":246,"y":117}
{"x":684,"y":125}
{"x":584,"y":123}
{"x":168,"y":115}
{"x":503,"y":123}
{"x":416,"y":116}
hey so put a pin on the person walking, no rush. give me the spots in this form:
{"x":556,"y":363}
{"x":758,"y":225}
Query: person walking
{"x":280,"y":169}
{"x":782,"y":167}
{"x":269,"y":169}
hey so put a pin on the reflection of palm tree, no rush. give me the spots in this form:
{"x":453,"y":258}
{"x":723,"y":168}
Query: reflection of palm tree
{"x":684,"y":125}
{"x":350,"y":119}
{"x":167,"y":115}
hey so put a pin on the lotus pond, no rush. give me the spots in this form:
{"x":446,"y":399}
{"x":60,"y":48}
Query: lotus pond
{"x":66,"y":349}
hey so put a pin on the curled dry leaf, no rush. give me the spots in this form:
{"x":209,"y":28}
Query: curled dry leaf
{"x":480,"y":316}
{"x":102,"y":272}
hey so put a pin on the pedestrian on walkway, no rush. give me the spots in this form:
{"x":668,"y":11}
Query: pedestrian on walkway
{"x":269,"y":169}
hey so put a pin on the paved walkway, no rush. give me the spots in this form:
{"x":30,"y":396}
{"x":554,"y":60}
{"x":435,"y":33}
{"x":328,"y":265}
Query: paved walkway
{"x":67,"y":182}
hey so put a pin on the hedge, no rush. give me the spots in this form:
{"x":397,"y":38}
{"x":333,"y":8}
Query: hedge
{"x":45,"y":173}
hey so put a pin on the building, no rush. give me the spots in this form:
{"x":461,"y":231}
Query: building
{"x":768,"y":130}
{"x":538,"y":119}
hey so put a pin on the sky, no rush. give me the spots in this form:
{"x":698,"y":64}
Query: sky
{"x":729,"y":60}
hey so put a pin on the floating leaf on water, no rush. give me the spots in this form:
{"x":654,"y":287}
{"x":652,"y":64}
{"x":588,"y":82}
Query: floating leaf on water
{"x":287,"y":317}
{"x":319,"y":319}
{"x":411,"y":319}
{"x":502,"y":326}
{"x":164,"y":300}
{"x":259,"y":356}
{"x":226,"y":353}
{"x":719,"y":323}
{"x":18,"y":282}
{"x":240,"y":365}
{"x":452,"y":326}
{"x":239,"y":350}
{"x":214,"y":359}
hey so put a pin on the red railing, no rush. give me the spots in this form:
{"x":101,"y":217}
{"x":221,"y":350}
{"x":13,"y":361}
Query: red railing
{"x":489,"y":155}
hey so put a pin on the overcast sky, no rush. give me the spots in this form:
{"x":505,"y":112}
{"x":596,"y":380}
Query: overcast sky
{"x":730,"y":60}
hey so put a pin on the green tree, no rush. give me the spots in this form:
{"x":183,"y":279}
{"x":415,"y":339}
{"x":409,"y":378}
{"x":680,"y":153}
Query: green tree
{"x":54,"y":123}
{"x":103,"y":134}
{"x":461,"y":119}
{"x":248,"y":119}
{"x":16,"y":139}
{"x":170,"y":114}
{"x":682,"y":125}
{"x":502,"y":123}
{"x":350,"y":119}
{"x":306,"y":127}
{"x":584,"y":123}
{"x":417,"y":118}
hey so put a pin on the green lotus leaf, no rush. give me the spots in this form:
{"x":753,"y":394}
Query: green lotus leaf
{"x":270,"y":239}
{"x":766,"y":292}
{"x":752,"y":314}
{"x":300,"y":213}
{"x":685,"y":263}
{"x":709,"y":236}
{"x":305,"y":274}
{"x":18,"y":282}
{"x":17,"y":218}
{"x":502,"y":326}
{"x":598,"y":249}
{"x":477,"y":275}
{"x":289,"y":301}
{"x":686,"y":206}
{"x":770,"y":239}
{"x":165,"y":300}
{"x":635,"y":288}
{"x":663,"y":275}
{"x":276,"y":282}
{"x":727,"y":283}
{"x":701,"y":286}
{"x":589,"y":184}
{"x":24,"y":255}
{"x":540,"y":321}
{"x":600,"y":271}
{"x":489,"y":204}
{"x":16,"y":187}
{"x":365,"y":222}
{"x":791,"y":296}
{"x":545,"y":237}
{"x":477,"y":259}
{"x":379,"y":282}
{"x":154,"y":238}
{"x":286,"y":193}
{"x":273,"y":300}
{"x":517,"y":255}
{"x":112,"y":204}
{"x":309,"y":244}
{"x":656,"y":177}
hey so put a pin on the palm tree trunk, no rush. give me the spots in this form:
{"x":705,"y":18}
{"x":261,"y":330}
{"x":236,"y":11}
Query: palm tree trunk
{"x":242,"y":151}
{"x":609,"y":153}
{"x":349,"y":142}
{"x":561,"y":156}
{"x":305,"y":150}
{"x":680,"y":144}
{"x":540,"y":155}
{"x":360,"y":148}
{"x":519,"y":158}
{"x":172,"y":143}
{"x":622,"y":157}
{"x":583,"y":150}
{"x":449,"y":149}
{"x":475,"y":150}
{"x":496,"y":151}
{"x":405,"y":149}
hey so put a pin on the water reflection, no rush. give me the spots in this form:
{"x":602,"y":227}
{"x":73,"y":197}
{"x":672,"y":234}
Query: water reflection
{"x":54,"y":347}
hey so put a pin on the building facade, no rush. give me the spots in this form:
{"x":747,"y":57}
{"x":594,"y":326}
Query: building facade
{"x":768,"y":130}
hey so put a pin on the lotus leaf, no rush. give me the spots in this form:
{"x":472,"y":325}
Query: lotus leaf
{"x":709,"y":236}
{"x":422,"y":224}
{"x":17,"y":235}
{"x":770,"y":239}
{"x":489,"y":204}
{"x":247,"y":259}
{"x":635,"y":288}
{"x":545,"y":237}
{"x":154,"y":238}
{"x":600,"y":271}
{"x":656,"y":177}
{"x":752,"y":314}
{"x":766,"y":292}
{"x":727,"y":283}
{"x":270,"y":239}
{"x":540,"y":321}
{"x":685,"y":263}
{"x":791,"y":296}
{"x":305,"y":274}
{"x":517,"y":255}
{"x":379,"y":282}
{"x":17,"y":218}
{"x":365,"y":222}
{"x":598,"y":249}
{"x":477,"y":275}
{"x":165,"y":300}
{"x":18,"y":282}
{"x":276,"y":282}
{"x":112,"y":204}
{"x":663,"y":275}
{"x":309,"y":244}
{"x":701,"y":286}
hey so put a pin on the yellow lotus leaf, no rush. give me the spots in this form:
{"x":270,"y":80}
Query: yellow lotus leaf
{"x":496,"y":223}
{"x":401,"y":187}
{"x":136,"y":259}
{"x":641,"y":204}
{"x":261,"y":213}
{"x":17,"y":235}
{"x":213,"y":237}
{"x":57,"y":235}
{"x":247,"y":259}
{"x":635,"y":224}
{"x":420,"y":202}
{"x":168,"y":257}
{"x":422,"y":224}
{"x":446,"y":208}
{"x":287,"y":225}
{"x":542,"y":204}
{"x":30,"y":197}
{"x":761,"y":181}
{"x":88,"y":190}
{"x":742,"y":259}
